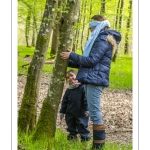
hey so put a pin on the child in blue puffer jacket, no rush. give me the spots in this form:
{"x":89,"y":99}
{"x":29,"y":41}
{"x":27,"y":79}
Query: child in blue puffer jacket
{"x":74,"y":107}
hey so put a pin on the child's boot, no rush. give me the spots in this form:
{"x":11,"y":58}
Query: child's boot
{"x":86,"y":138}
{"x":71,"y":137}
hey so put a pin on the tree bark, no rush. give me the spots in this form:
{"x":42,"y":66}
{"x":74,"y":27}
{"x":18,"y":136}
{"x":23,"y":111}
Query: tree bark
{"x":76,"y":41}
{"x":103,"y":7}
{"x":46,"y":125}
{"x":55,"y":38}
{"x":27,"y":112}
{"x":27,"y":29}
{"x":119,"y":28}
{"x":126,"y":47}
{"x":33,"y":36}
{"x":75,"y":38}
{"x":83,"y":26}
{"x":117,"y":15}
{"x":90,"y":12}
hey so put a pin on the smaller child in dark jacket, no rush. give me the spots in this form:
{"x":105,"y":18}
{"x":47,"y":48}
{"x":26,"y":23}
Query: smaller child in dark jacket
{"x":74,"y":106}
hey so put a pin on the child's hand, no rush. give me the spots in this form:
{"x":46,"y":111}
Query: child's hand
{"x":87,"y":113}
{"x":61,"y":116}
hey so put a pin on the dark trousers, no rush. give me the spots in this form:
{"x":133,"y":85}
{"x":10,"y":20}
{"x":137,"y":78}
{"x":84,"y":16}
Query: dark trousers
{"x":77,"y":125}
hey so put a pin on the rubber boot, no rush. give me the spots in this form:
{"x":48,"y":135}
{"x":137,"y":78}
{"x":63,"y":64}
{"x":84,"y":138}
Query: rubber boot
{"x":98,"y":136}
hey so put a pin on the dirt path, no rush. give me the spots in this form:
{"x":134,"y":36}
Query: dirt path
{"x":116,"y":109}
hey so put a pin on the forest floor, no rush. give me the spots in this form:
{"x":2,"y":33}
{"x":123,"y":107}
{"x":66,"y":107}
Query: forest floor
{"x":116,"y":106}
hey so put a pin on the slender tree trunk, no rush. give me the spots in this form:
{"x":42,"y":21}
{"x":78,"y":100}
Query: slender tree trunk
{"x":126,"y":47}
{"x":33,"y":26}
{"x":117,"y":15}
{"x":27,"y":112}
{"x":54,"y":46}
{"x":83,"y":26}
{"x":46,"y":125}
{"x":55,"y":38}
{"x":90,"y":12}
{"x":27,"y":30}
{"x":33,"y":35}
{"x":121,"y":16}
{"x":119,"y":29}
{"x":103,"y":7}
{"x":75,"y":39}
{"x":75,"y":45}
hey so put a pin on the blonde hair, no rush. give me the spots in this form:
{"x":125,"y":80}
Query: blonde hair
{"x":112,"y":41}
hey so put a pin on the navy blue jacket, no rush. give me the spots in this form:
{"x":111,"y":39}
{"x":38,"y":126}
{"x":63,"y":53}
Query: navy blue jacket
{"x":95,"y":68}
{"x":74,"y":101}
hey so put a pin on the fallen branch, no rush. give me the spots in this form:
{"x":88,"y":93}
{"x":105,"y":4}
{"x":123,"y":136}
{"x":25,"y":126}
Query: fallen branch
{"x":47,"y":62}
{"x":25,"y":65}
{"x":50,"y":62}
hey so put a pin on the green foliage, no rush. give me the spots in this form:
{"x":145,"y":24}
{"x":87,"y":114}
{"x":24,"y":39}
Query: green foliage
{"x":60,"y":142}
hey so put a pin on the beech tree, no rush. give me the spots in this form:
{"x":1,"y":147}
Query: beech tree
{"x":55,"y":38}
{"x":46,"y":125}
{"x":27,"y":112}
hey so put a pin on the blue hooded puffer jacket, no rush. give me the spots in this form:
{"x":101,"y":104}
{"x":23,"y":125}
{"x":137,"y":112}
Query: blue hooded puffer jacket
{"x":95,"y":68}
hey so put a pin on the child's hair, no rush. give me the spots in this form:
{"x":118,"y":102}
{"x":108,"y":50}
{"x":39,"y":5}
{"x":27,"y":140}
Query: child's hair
{"x":112,"y":41}
{"x":98,"y":18}
{"x":73,"y":71}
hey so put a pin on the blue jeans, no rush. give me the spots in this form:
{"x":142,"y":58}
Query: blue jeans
{"x":93,"y":95}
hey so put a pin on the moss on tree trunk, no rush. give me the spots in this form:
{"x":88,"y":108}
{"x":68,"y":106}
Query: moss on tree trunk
{"x":27,"y":112}
{"x":46,"y":125}
{"x":46,"y":120}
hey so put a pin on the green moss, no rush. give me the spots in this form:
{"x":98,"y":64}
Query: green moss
{"x":46,"y":125}
{"x":62,"y":79}
{"x":27,"y":112}
{"x":42,"y":40}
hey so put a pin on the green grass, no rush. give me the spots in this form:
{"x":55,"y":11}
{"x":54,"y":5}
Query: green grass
{"x":23,"y":51}
{"x":120,"y":78}
{"x":120,"y":73}
{"x":60,"y":142}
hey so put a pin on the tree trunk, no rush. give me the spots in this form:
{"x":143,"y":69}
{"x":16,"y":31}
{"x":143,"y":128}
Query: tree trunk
{"x":55,"y":38}
{"x":27,"y":112}
{"x":34,"y":25}
{"x":46,"y":125}
{"x":83,"y":26}
{"x":75,"y":38}
{"x":33,"y":35}
{"x":90,"y":12}
{"x":27,"y":30}
{"x":117,"y":15}
{"x":119,"y":29}
{"x":120,"y":14}
{"x":103,"y":7}
{"x":126,"y":47}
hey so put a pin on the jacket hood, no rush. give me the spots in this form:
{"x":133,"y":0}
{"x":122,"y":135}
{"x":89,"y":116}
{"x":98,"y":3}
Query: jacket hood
{"x":114,"y":33}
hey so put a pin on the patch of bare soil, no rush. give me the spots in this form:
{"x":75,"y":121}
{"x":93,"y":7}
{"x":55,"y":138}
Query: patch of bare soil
{"x":116,"y":106}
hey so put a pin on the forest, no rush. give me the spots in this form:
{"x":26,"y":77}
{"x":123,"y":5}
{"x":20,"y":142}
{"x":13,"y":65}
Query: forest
{"x":45,"y":29}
